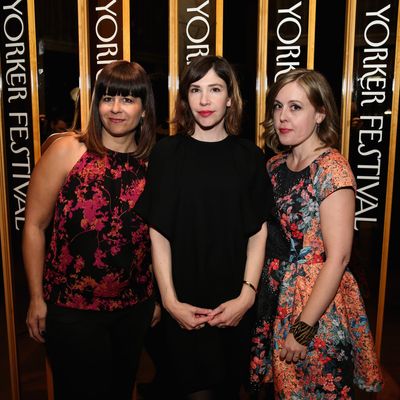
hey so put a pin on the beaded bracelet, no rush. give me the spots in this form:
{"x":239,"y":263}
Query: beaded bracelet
{"x":302,"y":332}
{"x":250,"y":284}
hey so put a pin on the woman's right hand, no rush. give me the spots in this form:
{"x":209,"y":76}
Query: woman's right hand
{"x":36,"y":320}
{"x":188,"y":317}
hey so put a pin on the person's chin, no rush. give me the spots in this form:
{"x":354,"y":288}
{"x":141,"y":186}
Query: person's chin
{"x":120,"y":132}
{"x":208,"y":125}
{"x":285,"y":141}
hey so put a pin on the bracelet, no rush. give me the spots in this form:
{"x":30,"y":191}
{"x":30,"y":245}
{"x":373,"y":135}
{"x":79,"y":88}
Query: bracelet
{"x":250,"y":284}
{"x":302,"y":332}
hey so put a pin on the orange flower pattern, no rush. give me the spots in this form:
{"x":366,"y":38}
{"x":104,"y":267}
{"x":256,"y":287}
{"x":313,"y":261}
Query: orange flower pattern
{"x":99,"y":254}
{"x":342,"y":353}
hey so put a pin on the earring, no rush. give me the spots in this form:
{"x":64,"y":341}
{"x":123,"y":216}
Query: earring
{"x":138,"y":130}
{"x":317,"y":126}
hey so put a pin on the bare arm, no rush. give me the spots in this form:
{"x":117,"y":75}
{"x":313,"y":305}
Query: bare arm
{"x":231,"y":312}
{"x":188,"y":316}
{"x":46,"y":181}
{"x":337,"y":221}
{"x":255,"y":258}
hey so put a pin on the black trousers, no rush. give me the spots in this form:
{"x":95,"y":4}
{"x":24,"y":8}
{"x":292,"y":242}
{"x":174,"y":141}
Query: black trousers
{"x":95,"y":354}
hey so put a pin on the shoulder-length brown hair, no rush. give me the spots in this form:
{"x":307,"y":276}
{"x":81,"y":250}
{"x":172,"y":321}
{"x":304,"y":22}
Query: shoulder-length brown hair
{"x":122,"y":78}
{"x":320,"y":95}
{"x":196,"y":70}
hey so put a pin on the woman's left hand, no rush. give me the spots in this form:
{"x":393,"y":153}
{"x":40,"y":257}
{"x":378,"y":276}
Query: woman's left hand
{"x":231,"y":312}
{"x":292,"y":350}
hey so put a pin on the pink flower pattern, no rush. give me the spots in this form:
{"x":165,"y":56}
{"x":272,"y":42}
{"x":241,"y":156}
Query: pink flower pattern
{"x":342,"y":353}
{"x":99,"y":254}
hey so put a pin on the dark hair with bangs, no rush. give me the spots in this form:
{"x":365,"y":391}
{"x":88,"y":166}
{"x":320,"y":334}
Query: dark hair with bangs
{"x":196,"y":70}
{"x":320,"y":95}
{"x":122,"y":78}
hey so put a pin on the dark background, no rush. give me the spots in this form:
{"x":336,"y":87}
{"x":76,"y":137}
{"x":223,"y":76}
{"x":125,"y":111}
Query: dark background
{"x":58,"y":62}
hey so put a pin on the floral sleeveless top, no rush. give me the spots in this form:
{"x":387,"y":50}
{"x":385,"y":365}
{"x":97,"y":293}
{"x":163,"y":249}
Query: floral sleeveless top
{"x":99,"y":254}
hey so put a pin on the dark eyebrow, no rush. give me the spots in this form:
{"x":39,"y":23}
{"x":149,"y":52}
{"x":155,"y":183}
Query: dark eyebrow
{"x":212,"y":85}
{"x":290,"y":101}
{"x":295,"y":101}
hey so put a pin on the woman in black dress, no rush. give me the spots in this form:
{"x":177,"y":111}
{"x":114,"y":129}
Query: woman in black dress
{"x":206,"y":199}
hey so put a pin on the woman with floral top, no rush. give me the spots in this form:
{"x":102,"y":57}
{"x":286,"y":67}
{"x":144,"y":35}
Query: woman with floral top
{"x":91,"y":290}
{"x":312,"y":338}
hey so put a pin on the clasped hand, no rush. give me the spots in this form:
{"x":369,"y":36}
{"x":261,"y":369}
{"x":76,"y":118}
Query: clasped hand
{"x":227,"y":314}
{"x":187,"y":316}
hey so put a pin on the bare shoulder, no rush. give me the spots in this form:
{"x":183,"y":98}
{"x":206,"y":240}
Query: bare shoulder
{"x":53,"y":137}
{"x":63,"y":154}
{"x":66,"y":145}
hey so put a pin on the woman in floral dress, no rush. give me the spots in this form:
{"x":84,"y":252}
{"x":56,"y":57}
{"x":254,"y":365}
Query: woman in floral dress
{"x":92,"y":293}
{"x":312,"y":338}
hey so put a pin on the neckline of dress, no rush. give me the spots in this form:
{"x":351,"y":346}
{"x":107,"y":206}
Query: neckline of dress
{"x":115,"y":152}
{"x":328,"y":150}
{"x":225,"y":139}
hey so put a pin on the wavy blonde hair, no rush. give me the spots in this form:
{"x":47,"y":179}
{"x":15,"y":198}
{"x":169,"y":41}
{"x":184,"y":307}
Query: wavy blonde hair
{"x":320,"y":95}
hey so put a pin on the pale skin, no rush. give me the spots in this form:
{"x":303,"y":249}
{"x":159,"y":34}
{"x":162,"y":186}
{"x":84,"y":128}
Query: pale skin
{"x":208,"y":100}
{"x":120,"y":116}
{"x":295,"y":121}
{"x":231,"y":312}
{"x":226,"y":314}
{"x":52,"y":138}
{"x":46,"y":181}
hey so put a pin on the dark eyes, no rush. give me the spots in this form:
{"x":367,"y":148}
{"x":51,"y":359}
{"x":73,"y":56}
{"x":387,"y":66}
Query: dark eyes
{"x":292,"y":107}
{"x":197,"y":90}
{"x":124,"y":99}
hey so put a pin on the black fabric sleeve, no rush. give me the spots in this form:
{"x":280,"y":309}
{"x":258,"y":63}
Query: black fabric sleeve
{"x":157,"y":203}
{"x":260,"y":199}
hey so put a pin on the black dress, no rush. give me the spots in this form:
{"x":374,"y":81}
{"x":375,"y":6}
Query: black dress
{"x":207,"y":199}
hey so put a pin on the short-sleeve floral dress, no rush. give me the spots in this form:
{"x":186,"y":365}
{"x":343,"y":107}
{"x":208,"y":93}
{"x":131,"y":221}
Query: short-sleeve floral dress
{"x":342,"y":353}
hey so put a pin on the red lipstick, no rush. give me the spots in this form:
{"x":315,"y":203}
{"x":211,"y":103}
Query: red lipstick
{"x":205,"y":113}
